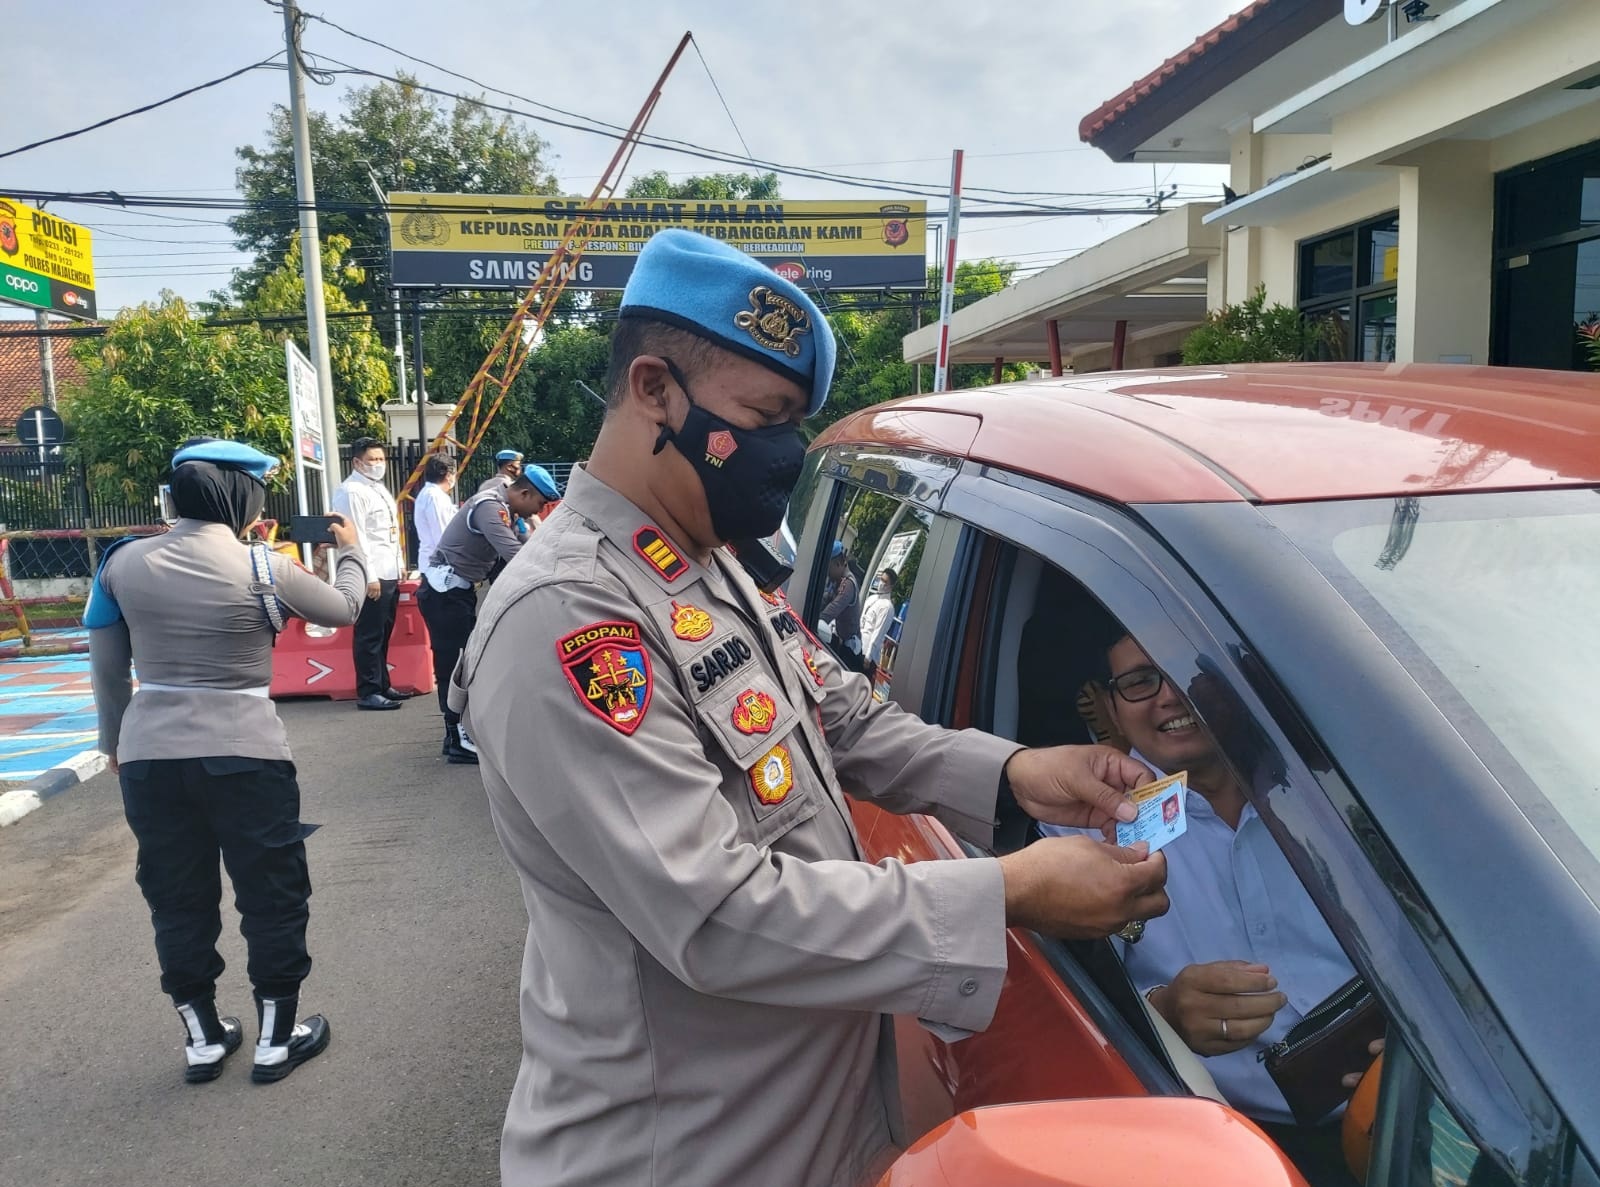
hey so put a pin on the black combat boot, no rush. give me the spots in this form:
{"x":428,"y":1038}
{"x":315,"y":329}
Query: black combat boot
{"x":454,"y":751}
{"x":210,"y":1039}
{"x":284,"y":1044}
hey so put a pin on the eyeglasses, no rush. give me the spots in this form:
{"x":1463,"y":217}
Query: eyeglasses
{"x":1138,"y":685}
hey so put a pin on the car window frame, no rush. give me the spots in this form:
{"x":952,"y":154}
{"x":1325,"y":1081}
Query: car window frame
{"x":1339,"y":856}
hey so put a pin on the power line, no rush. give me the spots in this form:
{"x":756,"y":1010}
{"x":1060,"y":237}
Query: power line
{"x":720,"y":99}
{"x":265,"y":62}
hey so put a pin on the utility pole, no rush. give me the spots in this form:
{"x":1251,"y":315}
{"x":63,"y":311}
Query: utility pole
{"x":394,"y":295}
{"x":47,"y":357}
{"x":311,"y":248}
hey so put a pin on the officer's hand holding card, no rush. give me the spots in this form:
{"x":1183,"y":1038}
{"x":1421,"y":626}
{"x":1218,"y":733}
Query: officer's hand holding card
{"x":1161,"y":818}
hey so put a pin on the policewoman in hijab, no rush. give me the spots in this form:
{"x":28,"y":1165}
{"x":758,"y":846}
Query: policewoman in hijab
{"x":203,"y":759}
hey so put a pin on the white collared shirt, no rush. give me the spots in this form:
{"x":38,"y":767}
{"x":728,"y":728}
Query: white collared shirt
{"x":435,"y":510}
{"x":371,"y":510}
{"x":1235,"y":897}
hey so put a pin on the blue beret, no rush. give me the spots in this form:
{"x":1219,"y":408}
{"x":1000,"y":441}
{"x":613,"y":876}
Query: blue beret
{"x":542,"y":482}
{"x":508,"y":455}
{"x":719,"y":293}
{"x":838,"y":548}
{"x":231,"y":455}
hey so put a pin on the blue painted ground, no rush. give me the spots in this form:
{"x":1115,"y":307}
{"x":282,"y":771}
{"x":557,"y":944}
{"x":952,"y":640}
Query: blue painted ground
{"x":46,"y":710}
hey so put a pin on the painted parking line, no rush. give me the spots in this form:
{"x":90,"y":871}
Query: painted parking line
{"x":47,"y":717}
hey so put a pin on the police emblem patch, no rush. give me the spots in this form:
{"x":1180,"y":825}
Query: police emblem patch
{"x":773,"y":321}
{"x":609,"y":669}
{"x":505,"y":515}
{"x":754,"y":712}
{"x":691,"y":623}
{"x":772,"y":778}
{"x":649,"y":543}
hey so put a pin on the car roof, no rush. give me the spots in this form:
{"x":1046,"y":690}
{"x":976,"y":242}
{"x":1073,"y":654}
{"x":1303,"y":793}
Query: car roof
{"x":1266,"y":433}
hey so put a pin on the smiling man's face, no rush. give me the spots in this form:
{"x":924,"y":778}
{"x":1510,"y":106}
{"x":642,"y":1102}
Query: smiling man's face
{"x":1163,"y":728}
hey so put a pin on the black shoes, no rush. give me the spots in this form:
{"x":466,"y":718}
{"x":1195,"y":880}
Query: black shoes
{"x":376,"y":701}
{"x":204,"y":1059}
{"x":455,"y":748}
{"x":285,"y":1044}
{"x":394,"y":694}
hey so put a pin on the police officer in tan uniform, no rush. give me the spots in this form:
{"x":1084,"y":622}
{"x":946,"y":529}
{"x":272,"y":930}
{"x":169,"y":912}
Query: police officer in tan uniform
{"x":710,"y":964}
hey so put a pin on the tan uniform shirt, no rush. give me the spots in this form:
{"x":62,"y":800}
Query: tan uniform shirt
{"x":192,"y":622}
{"x":709,"y":963}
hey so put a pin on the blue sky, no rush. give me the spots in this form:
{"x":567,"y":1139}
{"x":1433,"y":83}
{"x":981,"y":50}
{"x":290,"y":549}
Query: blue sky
{"x":880,"y":90}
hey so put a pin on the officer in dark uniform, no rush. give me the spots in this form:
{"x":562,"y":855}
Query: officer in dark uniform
{"x":478,"y":540}
{"x":203,"y":759}
{"x":508,"y":468}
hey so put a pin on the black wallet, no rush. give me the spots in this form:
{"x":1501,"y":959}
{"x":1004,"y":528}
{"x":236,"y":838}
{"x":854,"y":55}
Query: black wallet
{"x":1310,"y":1062}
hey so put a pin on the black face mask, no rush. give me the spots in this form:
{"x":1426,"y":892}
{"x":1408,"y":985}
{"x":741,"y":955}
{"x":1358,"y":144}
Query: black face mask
{"x":748,"y":474}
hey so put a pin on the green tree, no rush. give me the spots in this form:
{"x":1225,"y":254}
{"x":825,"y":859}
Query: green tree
{"x":871,"y":367}
{"x":362,"y":378}
{"x":411,"y":140}
{"x":1254,"y":332}
{"x":713,"y":187}
{"x":156,"y":377}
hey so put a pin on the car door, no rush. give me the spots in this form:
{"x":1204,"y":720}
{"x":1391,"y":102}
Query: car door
{"x":1458,"y":1105}
{"x":1045,"y":1042}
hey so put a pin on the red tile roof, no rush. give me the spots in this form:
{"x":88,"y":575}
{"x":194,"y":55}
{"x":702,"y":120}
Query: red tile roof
{"x":20,"y":383}
{"x":1108,"y":112}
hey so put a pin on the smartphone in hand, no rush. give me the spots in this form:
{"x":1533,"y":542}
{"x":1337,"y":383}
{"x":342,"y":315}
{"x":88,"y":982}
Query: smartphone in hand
{"x":312,"y":529}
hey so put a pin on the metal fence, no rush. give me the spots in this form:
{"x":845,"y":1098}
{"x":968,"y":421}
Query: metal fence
{"x":52,"y":495}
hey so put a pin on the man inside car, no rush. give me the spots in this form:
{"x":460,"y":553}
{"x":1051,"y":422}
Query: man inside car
{"x":1243,"y":954}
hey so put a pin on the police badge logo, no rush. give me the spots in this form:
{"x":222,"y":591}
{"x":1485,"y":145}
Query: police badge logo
{"x":423,"y":228}
{"x":609,"y":669}
{"x":690,"y":623}
{"x":754,"y":712}
{"x":9,"y":242}
{"x":773,"y":321}
{"x":772,"y":778}
{"x":896,"y":227}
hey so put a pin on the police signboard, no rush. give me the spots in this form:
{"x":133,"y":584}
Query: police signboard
{"x":489,"y":241}
{"x":45,"y":262}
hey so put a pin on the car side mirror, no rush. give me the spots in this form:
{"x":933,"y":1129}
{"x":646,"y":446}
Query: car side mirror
{"x":1148,"y":1141}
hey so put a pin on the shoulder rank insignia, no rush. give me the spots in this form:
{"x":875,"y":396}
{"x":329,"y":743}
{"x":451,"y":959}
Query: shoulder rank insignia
{"x":811,"y":666}
{"x":772,"y":778}
{"x":661,"y":556}
{"x":754,"y":712}
{"x":691,"y":623}
{"x":608,"y":668}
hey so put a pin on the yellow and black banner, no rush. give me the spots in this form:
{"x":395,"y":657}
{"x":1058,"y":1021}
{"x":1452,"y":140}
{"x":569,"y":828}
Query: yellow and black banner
{"x":45,"y":261}
{"x":488,"y":241}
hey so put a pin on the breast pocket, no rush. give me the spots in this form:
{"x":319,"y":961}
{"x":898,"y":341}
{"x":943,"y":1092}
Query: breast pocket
{"x":755,"y":726}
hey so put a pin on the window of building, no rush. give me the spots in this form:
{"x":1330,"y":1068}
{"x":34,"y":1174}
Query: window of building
{"x":1547,"y":261}
{"x":1348,"y":283}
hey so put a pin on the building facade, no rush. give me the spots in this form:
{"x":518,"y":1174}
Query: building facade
{"x":1421,"y":176}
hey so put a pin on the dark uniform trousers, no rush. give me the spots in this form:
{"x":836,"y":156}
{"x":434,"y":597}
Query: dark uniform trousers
{"x":450,"y":616}
{"x":371,"y":644}
{"x":183,"y":812}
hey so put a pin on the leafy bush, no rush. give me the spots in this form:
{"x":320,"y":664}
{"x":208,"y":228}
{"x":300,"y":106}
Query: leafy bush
{"x":1254,"y":332}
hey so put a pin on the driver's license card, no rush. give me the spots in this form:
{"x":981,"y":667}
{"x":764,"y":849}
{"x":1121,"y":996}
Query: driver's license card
{"x":1162,"y":818}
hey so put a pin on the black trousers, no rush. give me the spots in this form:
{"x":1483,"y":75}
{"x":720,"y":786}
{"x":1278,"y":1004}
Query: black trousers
{"x":184,"y":813}
{"x":450,"y":616}
{"x":371,"y":643}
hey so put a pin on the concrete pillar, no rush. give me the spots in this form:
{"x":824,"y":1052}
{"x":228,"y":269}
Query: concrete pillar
{"x":1119,"y":345}
{"x":999,"y":369}
{"x":1052,"y":333}
{"x":1446,"y":254}
{"x":1241,"y":248}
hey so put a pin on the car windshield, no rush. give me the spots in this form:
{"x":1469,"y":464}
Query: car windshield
{"x":1490,"y":601}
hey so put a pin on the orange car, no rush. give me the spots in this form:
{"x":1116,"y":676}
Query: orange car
{"x":1377,"y":586}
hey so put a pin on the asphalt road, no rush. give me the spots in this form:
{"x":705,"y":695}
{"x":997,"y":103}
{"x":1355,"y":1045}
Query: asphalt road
{"x":416,"y":934}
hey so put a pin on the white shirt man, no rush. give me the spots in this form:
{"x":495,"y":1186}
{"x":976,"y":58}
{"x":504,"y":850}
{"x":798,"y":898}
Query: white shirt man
{"x":436,"y":506}
{"x":876,"y":616}
{"x":365,"y":501}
